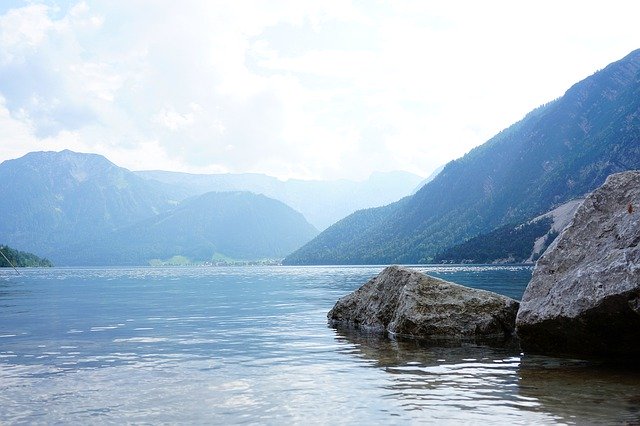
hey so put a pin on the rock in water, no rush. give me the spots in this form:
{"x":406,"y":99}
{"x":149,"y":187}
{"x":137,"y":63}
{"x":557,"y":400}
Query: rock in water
{"x":583,"y":297}
{"x":406,"y":302}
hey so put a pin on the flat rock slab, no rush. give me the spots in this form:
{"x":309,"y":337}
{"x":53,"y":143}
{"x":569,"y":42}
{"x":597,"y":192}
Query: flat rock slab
{"x":584,"y":295}
{"x":408,"y":303}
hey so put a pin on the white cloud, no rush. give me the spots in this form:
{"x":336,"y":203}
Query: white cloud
{"x":21,"y":31}
{"x":291,"y":88}
{"x":173,"y":120}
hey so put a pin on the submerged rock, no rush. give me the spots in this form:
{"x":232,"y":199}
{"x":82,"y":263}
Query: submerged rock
{"x":406,"y":302}
{"x":584,"y":296}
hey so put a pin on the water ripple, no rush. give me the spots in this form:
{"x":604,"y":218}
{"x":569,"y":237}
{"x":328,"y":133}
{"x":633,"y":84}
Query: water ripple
{"x":251,"y":345}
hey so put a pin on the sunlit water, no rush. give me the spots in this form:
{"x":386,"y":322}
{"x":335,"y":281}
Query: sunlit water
{"x":252,"y":345}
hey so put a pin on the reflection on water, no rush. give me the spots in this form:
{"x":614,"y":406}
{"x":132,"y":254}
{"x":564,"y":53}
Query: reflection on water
{"x":583,"y":392}
{"x":489,"y":381}
{"x":445,"y":383}
{"x":252,"y":345}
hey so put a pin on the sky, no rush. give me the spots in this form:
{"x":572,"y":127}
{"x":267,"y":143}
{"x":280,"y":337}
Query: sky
{"x":291,"y":88}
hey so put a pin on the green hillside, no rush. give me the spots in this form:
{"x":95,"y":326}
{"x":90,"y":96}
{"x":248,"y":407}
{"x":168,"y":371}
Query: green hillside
{"x":18,"y":258}
{"x":508,"y":243}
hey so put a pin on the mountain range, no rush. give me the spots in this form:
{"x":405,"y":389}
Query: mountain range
{"x":558,"y":152}
{"x":321,"y":202}
{"x":213,"y":227}
{"x":51,"y":200}
{"x":81,"y":209}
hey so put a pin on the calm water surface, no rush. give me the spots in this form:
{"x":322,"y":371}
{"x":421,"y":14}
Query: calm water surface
{"x":251,"y":345}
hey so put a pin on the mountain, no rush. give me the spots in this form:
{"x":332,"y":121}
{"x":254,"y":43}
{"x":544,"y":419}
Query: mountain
{"x":558,"y":152}
{"x":15,"y":258}
{"x":81,"y":209}
{"x":51,"y":200}
{"x":523,"y":243}
{"x":431,"y":177}
{"x":506,"y":244}
{"x":213,"y":226}
{"x":321,"y":202}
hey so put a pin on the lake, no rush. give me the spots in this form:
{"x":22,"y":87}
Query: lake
{"x":251,"y":345}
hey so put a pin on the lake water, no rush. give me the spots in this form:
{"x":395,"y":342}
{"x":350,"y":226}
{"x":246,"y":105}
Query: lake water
{"x":252,"y":345}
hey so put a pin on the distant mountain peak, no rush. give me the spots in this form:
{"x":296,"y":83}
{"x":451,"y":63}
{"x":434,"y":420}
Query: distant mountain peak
{"x":321,"y":202}
{"x":59,"y":198}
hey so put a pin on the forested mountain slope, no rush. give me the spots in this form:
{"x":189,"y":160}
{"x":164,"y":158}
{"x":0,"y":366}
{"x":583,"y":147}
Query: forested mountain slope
{"x":15,"y":258}
{"x":558,"y":152}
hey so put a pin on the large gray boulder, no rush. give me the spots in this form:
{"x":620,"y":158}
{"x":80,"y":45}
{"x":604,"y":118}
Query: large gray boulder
{"x":405,"y":302}
{"x":584,"y":296}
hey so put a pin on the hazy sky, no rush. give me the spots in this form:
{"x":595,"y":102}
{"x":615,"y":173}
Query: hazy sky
{"x":311,"y":89}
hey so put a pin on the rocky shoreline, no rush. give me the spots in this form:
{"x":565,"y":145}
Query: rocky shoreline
{"x":583,"y":298}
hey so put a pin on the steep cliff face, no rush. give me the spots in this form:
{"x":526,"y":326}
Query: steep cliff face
{"x":584,"y":296}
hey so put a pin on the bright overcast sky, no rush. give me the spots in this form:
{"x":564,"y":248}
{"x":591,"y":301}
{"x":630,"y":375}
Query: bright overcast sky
{"x":311,"y":89}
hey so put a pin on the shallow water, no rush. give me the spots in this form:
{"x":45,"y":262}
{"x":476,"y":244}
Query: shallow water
{"x":252,"y":345}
